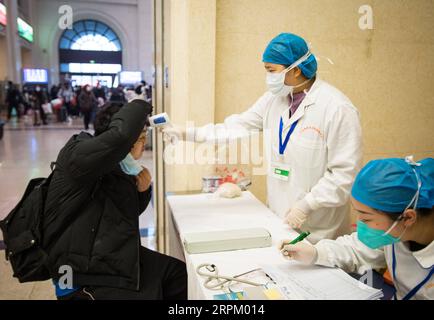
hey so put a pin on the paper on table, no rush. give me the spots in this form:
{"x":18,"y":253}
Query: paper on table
{"x":229,"y":296}
{"x":298,"y":281}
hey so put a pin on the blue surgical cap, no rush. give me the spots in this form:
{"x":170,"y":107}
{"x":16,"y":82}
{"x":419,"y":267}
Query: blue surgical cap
{"x":389,"y":185}
{"x":287,"y":48}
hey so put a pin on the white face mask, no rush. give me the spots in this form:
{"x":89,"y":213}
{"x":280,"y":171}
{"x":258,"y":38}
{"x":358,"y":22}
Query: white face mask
{"x":130,"y":165}
{"x":276,"y":81}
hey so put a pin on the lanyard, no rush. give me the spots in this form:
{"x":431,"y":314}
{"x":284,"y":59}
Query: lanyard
{"x":415,"y":289}
{"x":282,"y":146}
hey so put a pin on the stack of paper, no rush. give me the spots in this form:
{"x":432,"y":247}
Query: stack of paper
{"x":300,"y":282}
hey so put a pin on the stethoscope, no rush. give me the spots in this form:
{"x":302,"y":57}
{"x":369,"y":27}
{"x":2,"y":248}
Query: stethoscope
{"x":215,"y":281}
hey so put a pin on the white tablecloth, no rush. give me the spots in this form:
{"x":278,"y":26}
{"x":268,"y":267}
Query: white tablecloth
{"x":206,"y":212}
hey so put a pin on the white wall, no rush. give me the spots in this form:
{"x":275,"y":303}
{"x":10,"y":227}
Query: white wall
{"x":130,"y":19}
{"x":191,"y":91}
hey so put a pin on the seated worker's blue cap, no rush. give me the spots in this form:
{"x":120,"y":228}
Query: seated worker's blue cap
{"x":389,"y":185}
{"x":287,"y":48}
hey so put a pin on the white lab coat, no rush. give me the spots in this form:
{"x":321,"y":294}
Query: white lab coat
{"x":351,"y":255}
{"x":323,"y":155}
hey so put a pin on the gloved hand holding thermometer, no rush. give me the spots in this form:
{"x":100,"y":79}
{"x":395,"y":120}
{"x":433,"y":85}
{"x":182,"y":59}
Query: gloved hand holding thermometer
{"x":162,"y":123}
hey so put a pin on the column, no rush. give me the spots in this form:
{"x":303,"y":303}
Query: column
{"x":145,"y":38}
{"x":13,"y":42}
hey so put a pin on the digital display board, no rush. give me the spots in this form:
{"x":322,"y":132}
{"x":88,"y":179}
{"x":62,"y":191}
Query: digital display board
{"x":35,"y":76}
{"x":25,"y":30}
{"x":3,"y":19}
{"x":130,"y":77}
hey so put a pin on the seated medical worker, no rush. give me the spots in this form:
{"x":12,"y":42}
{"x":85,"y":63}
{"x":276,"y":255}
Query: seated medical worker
{"x":313,"y":138}
{"x":395,"y":199}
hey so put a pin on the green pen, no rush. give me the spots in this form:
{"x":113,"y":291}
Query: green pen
{"x":296,"y":240}
{"x":300,"y":237}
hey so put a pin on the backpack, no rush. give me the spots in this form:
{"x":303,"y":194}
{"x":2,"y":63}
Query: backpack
{"x":22,"y":233}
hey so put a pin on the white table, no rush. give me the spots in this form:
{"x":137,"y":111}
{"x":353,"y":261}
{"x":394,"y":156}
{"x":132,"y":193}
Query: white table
{"x":206,"y":212}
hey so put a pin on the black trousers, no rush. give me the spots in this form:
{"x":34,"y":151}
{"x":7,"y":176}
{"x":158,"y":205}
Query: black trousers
{"x":161,"y":278}
{"x":40,"y":115}
{"x":67,"y":105}
{"x":87,"y":119}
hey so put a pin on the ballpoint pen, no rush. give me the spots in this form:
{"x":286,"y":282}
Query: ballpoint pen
{"x":301,"y":237}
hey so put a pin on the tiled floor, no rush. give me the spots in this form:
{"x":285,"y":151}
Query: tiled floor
{"x":25,"y":153}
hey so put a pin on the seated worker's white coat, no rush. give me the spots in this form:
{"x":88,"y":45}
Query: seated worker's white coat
{"x":323,"y":155}
{"x":351,"y":255}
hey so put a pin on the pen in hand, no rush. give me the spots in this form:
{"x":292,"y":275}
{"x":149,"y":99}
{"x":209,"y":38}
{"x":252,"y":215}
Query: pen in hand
{"x":301,"y":237}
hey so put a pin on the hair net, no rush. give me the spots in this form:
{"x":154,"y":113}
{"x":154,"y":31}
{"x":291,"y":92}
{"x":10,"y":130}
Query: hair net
{"x":287,"y":48}
{"x":390,"y":184}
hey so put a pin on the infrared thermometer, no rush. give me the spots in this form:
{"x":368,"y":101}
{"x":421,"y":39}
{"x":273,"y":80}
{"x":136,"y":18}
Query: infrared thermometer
{"x":160,"y":121}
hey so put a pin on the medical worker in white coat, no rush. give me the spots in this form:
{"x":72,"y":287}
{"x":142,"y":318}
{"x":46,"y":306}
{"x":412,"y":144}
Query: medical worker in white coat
{"x":395,"y":199}
{"x":313,"y":137}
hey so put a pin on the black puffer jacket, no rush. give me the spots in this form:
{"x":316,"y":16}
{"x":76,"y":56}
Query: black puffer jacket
{"x":91,"y":217}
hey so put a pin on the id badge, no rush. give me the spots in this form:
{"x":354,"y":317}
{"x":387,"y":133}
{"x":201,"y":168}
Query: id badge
{"x":280,"y":171}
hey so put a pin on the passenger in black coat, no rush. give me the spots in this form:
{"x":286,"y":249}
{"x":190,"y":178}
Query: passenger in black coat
{"x":13,"y":99}
{"x":91,"y":221}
